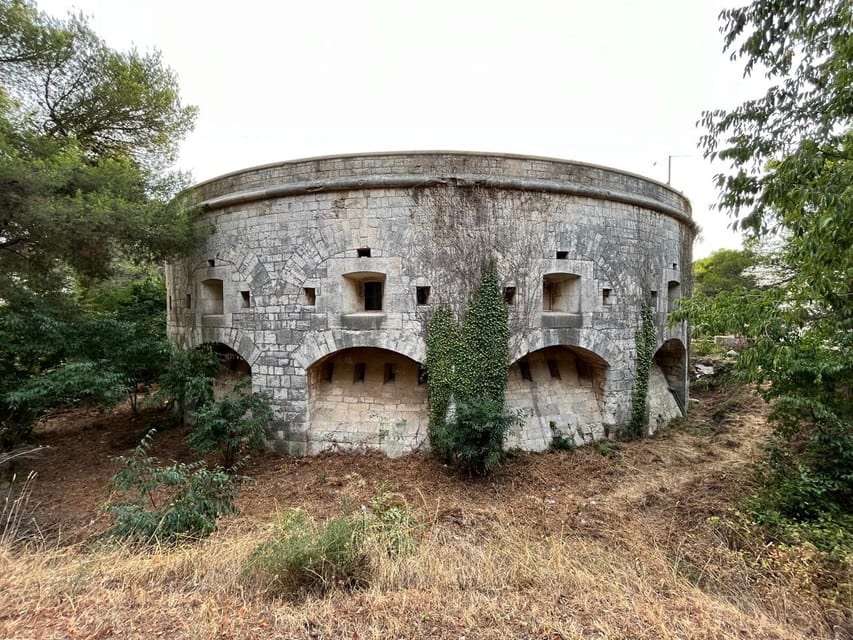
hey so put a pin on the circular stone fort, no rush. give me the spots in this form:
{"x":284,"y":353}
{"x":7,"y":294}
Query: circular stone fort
{"x":319,"y":277}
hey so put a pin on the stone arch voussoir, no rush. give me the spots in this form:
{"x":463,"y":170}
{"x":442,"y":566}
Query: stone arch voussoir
{"x":235,"y":339}
{"x":600,"y":346}
{"x":317,"y":345}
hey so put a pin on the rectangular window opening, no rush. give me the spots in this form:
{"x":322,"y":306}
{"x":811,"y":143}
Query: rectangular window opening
{"x":562,"y":255}
{"x":309,"y":296}
{"x":170,"y":303}
{"x":245,"y":300}
{"x":524,"y":369}
{"x":328,"y":371}
{"x":211,"y":263}
{"x":554,"y":369}
{"x":390,"y":373}
{"x":373,"y":296}
{"x":675,"y":265}
{"x":363,"y":252}
{"x":605,"y":297}
{"x":509,"y":295}
{"x":189,"y":301}
{"x":422,"y":294}
{"x":653,"y":295}
{"x":358,"y":372}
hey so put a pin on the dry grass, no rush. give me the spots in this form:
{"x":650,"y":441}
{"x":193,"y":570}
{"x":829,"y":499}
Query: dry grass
{"x":558,"y":545}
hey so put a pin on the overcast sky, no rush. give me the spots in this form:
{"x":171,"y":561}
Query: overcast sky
{"x":613,"y":82}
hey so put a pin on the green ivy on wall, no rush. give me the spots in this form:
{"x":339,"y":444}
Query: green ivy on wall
{"x":442,"y":343}
{"x":645,"y":338}
{"x":468,"y":366}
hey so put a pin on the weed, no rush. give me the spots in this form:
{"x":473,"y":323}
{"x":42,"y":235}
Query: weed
{"x":305,"y":556}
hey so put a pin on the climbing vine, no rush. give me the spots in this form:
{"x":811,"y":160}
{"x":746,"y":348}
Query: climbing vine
{"x":468,"y":366}
{"x":646,"y":338}
{"x":442,"y":343}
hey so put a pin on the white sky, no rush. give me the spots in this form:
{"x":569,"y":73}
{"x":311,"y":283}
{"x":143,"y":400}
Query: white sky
{"x":613,"y":82}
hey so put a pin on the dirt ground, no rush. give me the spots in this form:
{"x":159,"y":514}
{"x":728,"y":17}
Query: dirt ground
{"x":644,"y":511}
{"x":556,"y":489}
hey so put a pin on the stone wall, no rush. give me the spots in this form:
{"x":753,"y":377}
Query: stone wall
{"x":324,"y":255}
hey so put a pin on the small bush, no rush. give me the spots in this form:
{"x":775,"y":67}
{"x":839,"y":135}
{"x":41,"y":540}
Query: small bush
{"x":167,"y":504}
{"x":475,"y":435}
{"x":559,"y":442}
{"x":230,"y":426}
{"x":304,"y":556}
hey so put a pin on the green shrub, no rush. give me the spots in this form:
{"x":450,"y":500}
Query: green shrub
{"x":188,"y":380}
{"x":468,"y":365}
{"x":168,"y":503}
{"x":475,"y":434}
{"x":305,"y":556}
{"x":230,"y":426}
{"x":560,"y":442}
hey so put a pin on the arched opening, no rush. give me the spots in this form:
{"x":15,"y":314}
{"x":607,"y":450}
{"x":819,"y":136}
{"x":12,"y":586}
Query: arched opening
{"x":559,"y":391}
{"x":234,"y":372}
{"x":667,"y":396}
{"x":366,"y":397}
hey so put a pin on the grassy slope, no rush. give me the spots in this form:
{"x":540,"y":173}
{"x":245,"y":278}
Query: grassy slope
{"x":555,"y":545}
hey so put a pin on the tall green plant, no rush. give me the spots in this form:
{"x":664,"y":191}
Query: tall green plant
{"x":645,"y":340}
{"x":442,"y":345}
{"x":468,"y":366}
{"x":790,"y":155}
{"x":231,"y":425}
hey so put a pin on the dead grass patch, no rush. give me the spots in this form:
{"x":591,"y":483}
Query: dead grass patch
{"x":556,"y":545}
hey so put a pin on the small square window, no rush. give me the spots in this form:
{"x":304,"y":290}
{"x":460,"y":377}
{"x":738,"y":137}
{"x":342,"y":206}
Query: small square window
{"x":509,"y":295}
{"x":675,"y":265}
{"x":422,"y":295}
{"x":328,"y":371}
{"x":390,"y":373}
{"x":562,"y":255}
{"x":245,"y":300}
{"x":605,"y":297}
{"x":309,"y":296}
{"x":524,"y":369}
{"x":363,"y":252}
{"x":358,"y":372}
{"x":211,"y":263}
{"x":189,"y":301}
{"x":554,"y":369}
{"x":373,"y":296}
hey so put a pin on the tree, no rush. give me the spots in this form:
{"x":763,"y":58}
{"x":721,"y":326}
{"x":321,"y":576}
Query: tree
{"x":86,"y":135}
{"x":723,"y":270}
{"x":791,"y":159}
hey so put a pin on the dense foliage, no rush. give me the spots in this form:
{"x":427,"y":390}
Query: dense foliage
{"x":645,"y":339}
{"x":304,"y":556}
{"x":86,"y":135}
{"x":54,"y":354}
{"x":86,"y":138}
{"x":791,"y":158}
{"x":231,"y":425}
{"x":724,"y":270}
{"x":155,"y":503}
{"x":468,"y":366}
